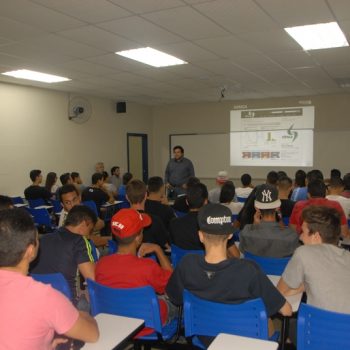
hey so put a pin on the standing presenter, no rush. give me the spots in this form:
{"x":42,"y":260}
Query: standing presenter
{"x":177,"y":173}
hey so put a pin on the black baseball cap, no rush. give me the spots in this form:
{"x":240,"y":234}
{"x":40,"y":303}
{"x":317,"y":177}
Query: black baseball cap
{"x":266,"y":197}
{"x":215,"y":219}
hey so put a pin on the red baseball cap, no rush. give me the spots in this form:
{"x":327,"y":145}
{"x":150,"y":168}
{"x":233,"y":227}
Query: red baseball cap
{"x":128,"y":222}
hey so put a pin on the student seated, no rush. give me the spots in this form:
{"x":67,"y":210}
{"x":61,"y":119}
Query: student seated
{"x":319,"y":267}
{"x":32,"y":312}
{"x":68,"y":250}
{"x":128,"y":267}
{"x":217,"y":278}
{"x":266,"y":236}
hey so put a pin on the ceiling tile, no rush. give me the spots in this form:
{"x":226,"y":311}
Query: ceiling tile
{"x":27,"y":12}
{"x":270,"y":41}
{"x":14,"y":30}
{"x":293,"y":59}
{"x":341,"y":70}
{"x":140,"y":30}
{"x":237,"y":16}
{"x":297,"y":12}
{"x":226,"y":47}
{"x":54,"y":43}
{"x":142,"y":6}
{"x":341,"y":8}
{"x":339,"y":55}
{"x":187,"y":51}
{"x":98,"y":38}
{"x":186,"y":22}
{"x":90,"y":11}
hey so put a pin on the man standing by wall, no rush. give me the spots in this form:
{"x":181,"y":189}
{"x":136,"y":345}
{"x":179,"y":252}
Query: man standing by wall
{"x":177,"y":172}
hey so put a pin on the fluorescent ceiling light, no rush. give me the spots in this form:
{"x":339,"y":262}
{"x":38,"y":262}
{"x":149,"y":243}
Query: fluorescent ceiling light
{"x":37,"y":76}
{"x":318,"y":36}
{"x":152,"y":57}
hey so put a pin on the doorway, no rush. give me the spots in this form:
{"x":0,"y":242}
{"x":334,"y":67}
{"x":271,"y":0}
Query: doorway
{"x":137,"y":147}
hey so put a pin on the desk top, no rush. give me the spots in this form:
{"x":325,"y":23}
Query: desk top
{"x":110,"y":204}
{"x":20,"y":205}
{"x":293,"y":300}
{"x":44,"y":207}
{"x":113,"y":331}
{"x":229,"y":341}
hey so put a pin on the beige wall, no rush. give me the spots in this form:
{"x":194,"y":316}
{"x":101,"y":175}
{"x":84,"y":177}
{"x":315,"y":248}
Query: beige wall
{"x":35,"y":133}
{"x":331,"y":119}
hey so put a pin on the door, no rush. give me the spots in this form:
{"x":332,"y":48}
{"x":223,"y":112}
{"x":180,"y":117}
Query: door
{"x":138,"y":156}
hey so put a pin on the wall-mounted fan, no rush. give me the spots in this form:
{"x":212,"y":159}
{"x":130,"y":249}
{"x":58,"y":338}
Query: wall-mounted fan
{"x":79,"y":110}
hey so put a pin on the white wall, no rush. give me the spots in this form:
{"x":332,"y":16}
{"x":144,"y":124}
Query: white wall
{"x":35,"y":133}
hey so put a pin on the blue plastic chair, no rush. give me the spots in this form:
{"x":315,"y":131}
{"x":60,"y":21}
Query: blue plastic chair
{"x":57,"y":206}
{"x":322,"y":330}
{"x":179,"y":214}
{"x":271,"y":266}
{"x":42,"y":217}
{"x":285,"y":220}
{"x":91,"y":205}
{"x":178,"y":253}
{"x":112,"y":246}
{"x":207,"y":318}
{"x":56,"y":280}
{"x":131,"y":302}
{"x":125,"y":203}
{"x":94,"y":251}
{"x":17,"y":200}
{"x":33,"y":203}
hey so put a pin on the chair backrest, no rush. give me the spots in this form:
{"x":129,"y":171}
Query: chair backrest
{"x":17,"y":200}
{"x":91,"y":205}
{"x":178,"y":253}
{"x":285,"y":220}
{"x":94,"y":251}
{"x":41,"y":216}
{"x":207,"y":318}
{"x":112,"y":246}
{"x":179,"y":214}
{"x":271,"y":266}
{"x":131,"y":302}
{"x":33,"y":203}
{"x":56,"y":280}
{"x":322,"y":330}
{"x":57,"y":206}
{"x":125,"y":204}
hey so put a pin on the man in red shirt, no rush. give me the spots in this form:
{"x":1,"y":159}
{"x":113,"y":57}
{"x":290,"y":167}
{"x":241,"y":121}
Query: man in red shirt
{"x":129,"y":268}
{"x":316,"y":193}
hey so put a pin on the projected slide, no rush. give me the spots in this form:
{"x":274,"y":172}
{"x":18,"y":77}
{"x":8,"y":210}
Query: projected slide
{"x":272,"y":137}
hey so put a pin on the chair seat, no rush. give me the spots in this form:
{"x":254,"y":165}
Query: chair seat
{"x":168,"y":332}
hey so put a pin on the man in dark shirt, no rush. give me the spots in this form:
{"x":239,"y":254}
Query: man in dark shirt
{"x":96,"y":193}
{"x":35,"y":191}
{"x":284,"y":186}
{"x":216,"y":278}
{"x":155,"y":233}
{"x":178,"y":171}
{"x":184,"y":230}
{"x":155,"y":199}
{"x":68,"y":249}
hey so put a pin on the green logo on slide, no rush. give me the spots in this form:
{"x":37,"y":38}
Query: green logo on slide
{"x":291,"y":134}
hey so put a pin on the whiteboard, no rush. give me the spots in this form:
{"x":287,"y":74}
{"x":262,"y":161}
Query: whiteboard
{"x":210,"y":153}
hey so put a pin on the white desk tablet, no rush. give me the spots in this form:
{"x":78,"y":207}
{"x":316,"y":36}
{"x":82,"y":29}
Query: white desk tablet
{"x":113,"y":331}
{"x":235,"y":342}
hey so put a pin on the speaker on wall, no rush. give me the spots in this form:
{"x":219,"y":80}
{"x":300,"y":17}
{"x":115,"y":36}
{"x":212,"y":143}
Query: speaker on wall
{"x":121,"y":107}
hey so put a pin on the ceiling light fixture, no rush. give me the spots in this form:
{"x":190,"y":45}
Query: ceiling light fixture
{"x":318,"y":36}
{"x":36,"y":76}
{"x":151,"y":57}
